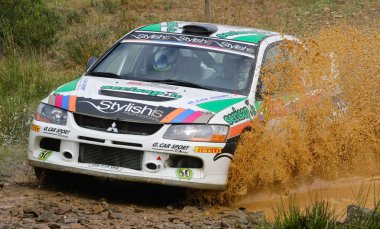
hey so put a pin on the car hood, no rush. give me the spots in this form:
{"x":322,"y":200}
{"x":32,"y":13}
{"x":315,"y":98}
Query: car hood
{"x":140,"y":101}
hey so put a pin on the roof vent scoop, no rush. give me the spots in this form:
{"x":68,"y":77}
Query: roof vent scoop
{"x":199,"y":29}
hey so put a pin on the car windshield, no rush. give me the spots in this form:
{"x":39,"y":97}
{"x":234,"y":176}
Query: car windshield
{"x":178,"y":65}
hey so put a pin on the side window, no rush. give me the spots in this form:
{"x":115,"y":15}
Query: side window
{"x":275,"y":53}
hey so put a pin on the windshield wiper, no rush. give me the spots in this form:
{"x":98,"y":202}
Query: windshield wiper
{"x":179,"y":83}
{"x":104,"y":74}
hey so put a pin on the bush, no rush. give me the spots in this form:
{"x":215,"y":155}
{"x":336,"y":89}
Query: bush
{"x":30,"y":22}
{"x":24,"y":81}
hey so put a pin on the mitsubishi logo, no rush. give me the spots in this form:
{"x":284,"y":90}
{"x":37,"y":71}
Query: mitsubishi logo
{"x":112,"y":128}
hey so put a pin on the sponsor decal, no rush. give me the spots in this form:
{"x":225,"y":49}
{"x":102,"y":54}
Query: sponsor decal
{"x":82,"y":84}
{"x":121,"y":109}
{"x":234,"y":33}
{"x":208,"y":99}
{"x":143,"y":91}
{"x":237,"y":115}
{"x":56,"y":131}
{"x":44,"y":155}
{"x":170,"y":147}
{"x":156,"y":85}
{"x":105,"y":167}
{"x":130,"y":111}
{"x":35,"y":128}
{"x":206,"y":149}
{"x":232,"y":45}
{"x":184,"y":173}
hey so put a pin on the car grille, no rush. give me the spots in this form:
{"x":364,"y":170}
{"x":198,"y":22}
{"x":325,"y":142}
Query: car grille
{"x":112,"y":126}
{"x":110,"y":156}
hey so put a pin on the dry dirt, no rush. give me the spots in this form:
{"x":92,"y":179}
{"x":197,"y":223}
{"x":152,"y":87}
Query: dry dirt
{"x":74,"y":201}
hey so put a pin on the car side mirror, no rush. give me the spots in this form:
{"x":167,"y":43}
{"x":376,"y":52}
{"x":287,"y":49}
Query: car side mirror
{"x":90,"y":62}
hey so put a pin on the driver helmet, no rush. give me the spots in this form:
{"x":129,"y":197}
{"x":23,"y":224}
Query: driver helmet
{"x":165,"y":59}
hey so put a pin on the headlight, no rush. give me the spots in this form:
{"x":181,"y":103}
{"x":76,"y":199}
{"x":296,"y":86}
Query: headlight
{"x":50,"y":114}
{"x":200,"y":133}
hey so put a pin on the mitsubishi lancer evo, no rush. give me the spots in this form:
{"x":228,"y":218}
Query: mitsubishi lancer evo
{"x":166,"y":104}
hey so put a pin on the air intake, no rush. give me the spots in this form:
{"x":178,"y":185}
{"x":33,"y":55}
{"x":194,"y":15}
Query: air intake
{"x":199,"y":29}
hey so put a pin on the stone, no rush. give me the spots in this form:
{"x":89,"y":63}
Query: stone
{"x":120,"y":216}
{"x":97,"y":209}
{"x":70,"y":220}
{"x":47,"y":216}
{"x":104,"y":204}
{"x":189,"y":209}
{"x":138,"y":210}
{"x":63,"y":209}
{"x":54,"y":225}
{"x":76,"y":226}
{"x":31,"y":212}
{"x":355,"y":212}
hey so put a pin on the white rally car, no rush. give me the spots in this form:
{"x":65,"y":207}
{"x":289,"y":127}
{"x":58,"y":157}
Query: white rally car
{"x":166,"y":104}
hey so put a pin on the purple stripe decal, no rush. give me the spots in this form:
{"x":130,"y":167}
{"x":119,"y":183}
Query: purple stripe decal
{"x":193,"y":117}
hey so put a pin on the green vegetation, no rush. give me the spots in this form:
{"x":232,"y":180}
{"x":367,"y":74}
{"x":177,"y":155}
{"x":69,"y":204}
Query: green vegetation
{"x":30,"y":23}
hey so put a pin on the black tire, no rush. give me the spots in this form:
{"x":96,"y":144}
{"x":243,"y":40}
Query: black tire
{"x":43,"y":176}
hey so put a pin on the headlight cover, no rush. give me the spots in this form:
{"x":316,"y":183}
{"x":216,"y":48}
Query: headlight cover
{"x":50,"y":114}
{"x":199,"y":133}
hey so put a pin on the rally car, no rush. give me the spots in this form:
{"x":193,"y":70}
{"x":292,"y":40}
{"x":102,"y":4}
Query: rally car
{"x":166,"y":104}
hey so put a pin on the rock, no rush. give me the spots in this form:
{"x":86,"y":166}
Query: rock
{"x":31,"y":212}
{"x":120,"y":216}
{"x":355,"y":212}
{"x":28,"y":221}
{"x":2,"y":225}
{"x":111,"y":215}
{"x":138,"y":210}
{"x":76,"y":226}
{"x":189,"y":209}
{"x":63,"y":209}
{"x":70,"y":220}
{"x":97,"y":209}
{"x":47,"y":216}
{"x":16,"y":212}
{"x":40,"y":226}
{"x":54,"y":225}
{"x":169,"y":207}
{"x":2,"y":185}
{"x":223,"y":224}
{"x":104,"y":204}
{"x":257,"y":217}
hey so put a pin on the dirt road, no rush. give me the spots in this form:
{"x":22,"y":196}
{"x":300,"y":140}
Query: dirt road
{"x":73,"y":201}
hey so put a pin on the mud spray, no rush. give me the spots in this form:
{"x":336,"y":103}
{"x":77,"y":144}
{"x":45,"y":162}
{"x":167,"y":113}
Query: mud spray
{"x":321,"y":118}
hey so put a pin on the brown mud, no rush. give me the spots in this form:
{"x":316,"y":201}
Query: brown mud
{"x":362,"y":191}
{"x":321,"y":117}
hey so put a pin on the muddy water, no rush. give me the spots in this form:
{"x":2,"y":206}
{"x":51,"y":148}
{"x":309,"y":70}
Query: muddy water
{"x":321,"y":121}
{"x":340,"y":193}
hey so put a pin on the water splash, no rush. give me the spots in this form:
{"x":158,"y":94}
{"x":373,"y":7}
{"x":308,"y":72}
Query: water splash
{"x":321,"y":116}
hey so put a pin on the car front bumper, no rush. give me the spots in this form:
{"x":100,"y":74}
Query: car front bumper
{"x":150,"y":149}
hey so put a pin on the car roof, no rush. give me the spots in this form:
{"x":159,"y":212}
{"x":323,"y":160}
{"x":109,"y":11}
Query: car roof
{"x":232,"y":33}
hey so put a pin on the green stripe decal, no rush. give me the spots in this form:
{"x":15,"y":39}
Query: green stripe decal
{"x":255,"y":38}
{"x":70,"y":86}
{"x":219,"y":105}
{"x":153,"y":27}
